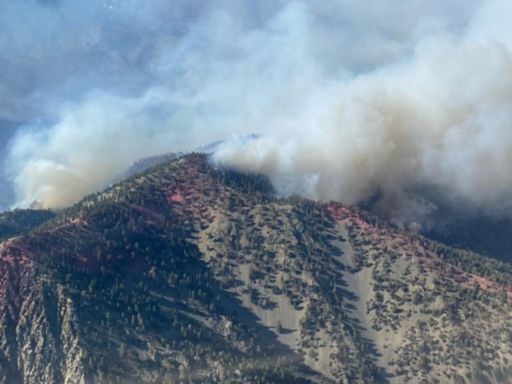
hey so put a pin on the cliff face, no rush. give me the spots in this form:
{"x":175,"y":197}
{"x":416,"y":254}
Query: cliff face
{"x":192,"y":273}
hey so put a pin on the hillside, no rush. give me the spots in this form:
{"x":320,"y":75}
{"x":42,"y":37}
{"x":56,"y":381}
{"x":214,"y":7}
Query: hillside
{"x":19,"y":221}
{"x":191,"y":273}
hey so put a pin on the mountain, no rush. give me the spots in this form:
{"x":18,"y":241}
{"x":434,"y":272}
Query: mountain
{"x":479,"y":232}
{"x":19,"y":221}
{"x":146,"y":163}
{"x":193,"y":273}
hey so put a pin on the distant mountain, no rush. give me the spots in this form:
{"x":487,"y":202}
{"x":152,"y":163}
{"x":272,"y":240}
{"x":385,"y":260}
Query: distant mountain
{"x":450,"y":221}
{"x":147,"y":163}
{"x":20,"y":221}
{"x":475,"y":231}
{"x":196,"y":274}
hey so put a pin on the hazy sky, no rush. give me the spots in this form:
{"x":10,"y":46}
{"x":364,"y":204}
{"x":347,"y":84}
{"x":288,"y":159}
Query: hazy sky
{"x":348,"y":96}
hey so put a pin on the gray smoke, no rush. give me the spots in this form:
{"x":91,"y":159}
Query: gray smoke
{"x":347,"y":98}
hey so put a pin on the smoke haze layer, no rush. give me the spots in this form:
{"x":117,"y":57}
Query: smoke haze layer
{"x":346,"y":98}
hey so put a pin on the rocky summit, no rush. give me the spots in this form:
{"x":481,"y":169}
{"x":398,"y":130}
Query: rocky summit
{"x":191,"y":273}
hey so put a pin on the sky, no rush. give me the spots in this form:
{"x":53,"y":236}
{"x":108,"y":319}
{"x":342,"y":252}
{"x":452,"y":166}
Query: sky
{"x":347,"y":99}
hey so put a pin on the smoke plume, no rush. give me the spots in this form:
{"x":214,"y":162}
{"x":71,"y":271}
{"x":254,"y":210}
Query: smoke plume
{"x":347,"y":99}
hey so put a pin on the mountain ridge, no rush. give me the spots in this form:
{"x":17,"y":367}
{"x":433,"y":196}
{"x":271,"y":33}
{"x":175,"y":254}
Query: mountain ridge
{"x":191,"y":272}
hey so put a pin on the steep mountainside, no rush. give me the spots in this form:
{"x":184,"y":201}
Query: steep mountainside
{"x":189,"y":273}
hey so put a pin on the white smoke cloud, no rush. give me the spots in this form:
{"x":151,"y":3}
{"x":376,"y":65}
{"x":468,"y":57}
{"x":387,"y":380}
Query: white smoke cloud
{"x":348,"y":98}
{"x":439,"y":117}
